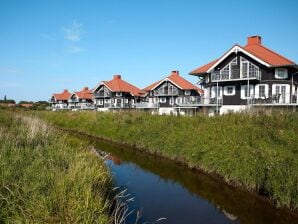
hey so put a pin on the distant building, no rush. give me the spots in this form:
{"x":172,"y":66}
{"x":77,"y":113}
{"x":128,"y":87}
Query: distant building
{"x":249,"y":76}
{"x":116,"y":94}
{"x":172,"y":95}
{"x":60,"y":101}
{"x":82,"y":100}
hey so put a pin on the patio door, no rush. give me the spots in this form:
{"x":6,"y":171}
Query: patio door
{"x":281,"y":91}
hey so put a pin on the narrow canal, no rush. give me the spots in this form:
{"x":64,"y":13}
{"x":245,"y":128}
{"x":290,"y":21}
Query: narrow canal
{"x":163,"y":189}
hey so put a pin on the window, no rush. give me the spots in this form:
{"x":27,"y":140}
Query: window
{"x":214,"y":92}
{"x":118,"y":94}
{"x":107,"y":100}
{"x":163,"y":100}
{"x":281,"y":73}
{"x":226,"y":71}
{"x":100,"y":102}
{"x":187,"y":92}
{"x":281,"y":92}
{"x":262,"y":91}
{"x":248,"y":69}
{"x":244,"y":91}
{"x":229,"y":90}
{"x":171,"y":101}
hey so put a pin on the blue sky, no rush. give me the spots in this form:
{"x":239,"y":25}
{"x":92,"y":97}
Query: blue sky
{"x":47,"y":46}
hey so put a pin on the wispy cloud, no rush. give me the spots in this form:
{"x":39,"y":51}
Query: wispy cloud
{"x":75,"y":49}
{"x":47,"y":36}
{"x":74,"y":32}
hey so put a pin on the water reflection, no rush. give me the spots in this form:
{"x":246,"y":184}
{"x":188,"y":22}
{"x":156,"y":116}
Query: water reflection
{"x":164,"y":189}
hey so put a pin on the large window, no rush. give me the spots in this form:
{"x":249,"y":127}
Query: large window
{"x":226,"y":71}
{"x":262,"y":91}
{"x":248,"y":69}
{"x":281,"y":73}
{"x":244,"y":91}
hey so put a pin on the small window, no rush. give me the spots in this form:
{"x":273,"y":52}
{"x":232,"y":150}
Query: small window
{"x":163,"y":100}
{"x":100,"y":102}
{"x":187,"y":92}
{"x":281,"y":73}
{"x":107,"y":100}
{"x":229,"y":90}
{"x":171,"y":101}
{"x":125,"y":100}
{"x":118,"y":94}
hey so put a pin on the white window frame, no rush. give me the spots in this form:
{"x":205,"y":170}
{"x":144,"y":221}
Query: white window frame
{"x":244,"y":60}
{"x":226,"y":91}
{"x":213,"y":92}
{"x":118,"y":93}
{"x":244,"y":91}
{"x":125,"y":100}
{"x":257,"y":91}
{"x":187,"y":92}
{"x":100,"y":102}
{"x":287,"y":92}
{"x":163,"y":100}
{"x":284,"y":70}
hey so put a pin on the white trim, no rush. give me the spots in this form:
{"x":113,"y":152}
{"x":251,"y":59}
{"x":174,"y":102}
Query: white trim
{"x":237,"y":48}
{"x":285,"y":70}
{"x":226,"y":90}
{"x":162,"y":99}
{"x":213,"y":92}
{"x":99,"y":84}
{"x":243,"y":92}
{"x":164,"y":80}
{"x":257,"y":91}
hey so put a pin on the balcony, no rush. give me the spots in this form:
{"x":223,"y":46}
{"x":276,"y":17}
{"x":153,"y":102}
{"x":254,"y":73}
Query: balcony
{"x":101,"y":95}
{"x":144,"y":105}
{"x":73,"y":100}
{"x":235,"y":75}
{"x":199,"y":101}
{"x":281,"y":99}
{"x":166,"y":92}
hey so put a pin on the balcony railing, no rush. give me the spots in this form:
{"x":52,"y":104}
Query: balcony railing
{"x":165,"y":92}
{"x":145,"y":105}
{"x":101,"y":95}
{"x":234,"y":75}
{"x":200,"y":101}
{"x":276,"y":99}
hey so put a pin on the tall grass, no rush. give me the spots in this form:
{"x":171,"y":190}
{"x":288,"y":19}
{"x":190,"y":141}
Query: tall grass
{"x":45,"y":178}
{"x":257,"y":152}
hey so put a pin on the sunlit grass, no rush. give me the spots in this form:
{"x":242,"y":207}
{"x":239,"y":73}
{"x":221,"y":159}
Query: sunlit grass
{"x":257,"y":152}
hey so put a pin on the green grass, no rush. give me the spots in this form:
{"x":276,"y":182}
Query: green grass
{"x":256,"y":152}
{"x":47,"y":178}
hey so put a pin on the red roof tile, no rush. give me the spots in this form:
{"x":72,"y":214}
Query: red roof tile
{"x":176,"y":79}
{"x":85,"y":93}
{"x":254,"y":46}
{"x":65,"y":95}
{"x":119,"y":85}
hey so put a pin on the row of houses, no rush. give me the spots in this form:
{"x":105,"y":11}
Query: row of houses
{"x":244,"y":77}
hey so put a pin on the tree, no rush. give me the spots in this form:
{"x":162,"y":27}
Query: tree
{"x":5,"y":98}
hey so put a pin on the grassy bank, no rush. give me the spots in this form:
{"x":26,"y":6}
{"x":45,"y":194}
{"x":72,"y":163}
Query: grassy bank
{"x":46,"y":178}
{"x":257,"y":152}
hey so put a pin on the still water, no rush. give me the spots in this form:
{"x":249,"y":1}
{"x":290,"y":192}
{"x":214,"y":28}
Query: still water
{"x":163,"y":189}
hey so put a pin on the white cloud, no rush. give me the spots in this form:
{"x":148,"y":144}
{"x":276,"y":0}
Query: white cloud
{"x":73,"y":32}
{"x":47,"y":36}
{"x":75,"y":49}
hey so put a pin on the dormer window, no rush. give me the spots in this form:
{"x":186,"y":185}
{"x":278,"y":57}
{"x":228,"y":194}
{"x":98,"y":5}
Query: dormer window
{"x":118,"y":94}
{"x":281,"y":73}
{"x":187,"y":92}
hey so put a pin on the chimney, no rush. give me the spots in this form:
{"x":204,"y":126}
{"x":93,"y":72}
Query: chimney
{"x":85,"y":88}
{"x":65,"y":91}
{"x":117,"y":77}
{"x":254,"y":40}
{"x":175,"y":73}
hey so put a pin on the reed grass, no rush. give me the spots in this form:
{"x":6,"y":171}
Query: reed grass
{"x":256,"y":152}
{"x":45,"y":178}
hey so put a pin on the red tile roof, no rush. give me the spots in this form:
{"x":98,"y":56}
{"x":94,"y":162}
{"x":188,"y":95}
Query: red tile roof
{"x":119,"y":85}
{"x":254,"y":46}
{"x":65,"y":95}
{"x":177,"y":80}
{"x":85,"y":93}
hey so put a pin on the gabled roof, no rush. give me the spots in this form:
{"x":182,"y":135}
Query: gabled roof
{"x":85,"y":93}
{"x":65,"y":95}
{"x":119,"y":85}
{"x":254,"y":49}
{"x":178,"y":81}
